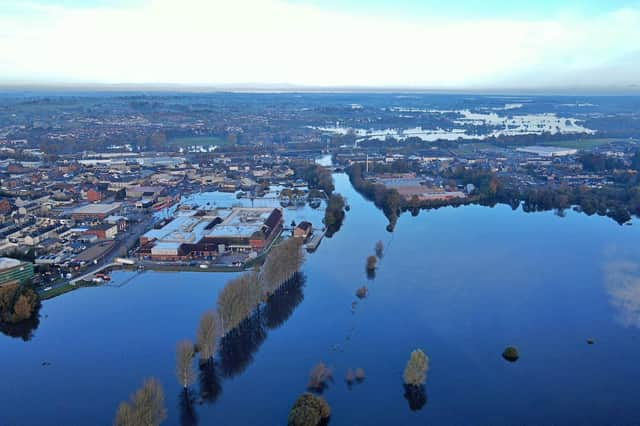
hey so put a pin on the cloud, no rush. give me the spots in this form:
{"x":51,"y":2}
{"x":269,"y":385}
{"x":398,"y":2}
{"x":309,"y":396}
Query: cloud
{"x":273,"y":41}
{"x":622,"y":283}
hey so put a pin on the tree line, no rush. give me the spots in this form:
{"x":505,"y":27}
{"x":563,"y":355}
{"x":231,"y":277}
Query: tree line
{"x":619,"y":201}
{"x":243,"y":300}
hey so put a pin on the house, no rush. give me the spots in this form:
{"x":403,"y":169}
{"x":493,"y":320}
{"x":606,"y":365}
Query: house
{"x":303,"y":230}
{"x":93,"y":196}
{"x":95,"y":211}
{"x":104,"y":231}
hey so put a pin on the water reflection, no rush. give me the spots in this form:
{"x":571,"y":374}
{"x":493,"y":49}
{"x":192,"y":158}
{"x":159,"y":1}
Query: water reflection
{"x":416,"y":396}
{"x":622,"y":283}
{"x":283,"y":302}
{"x":188,"y":416}
{"x":239,"y":345}
{"x":23,"y":330}
{"x":210,"y":387}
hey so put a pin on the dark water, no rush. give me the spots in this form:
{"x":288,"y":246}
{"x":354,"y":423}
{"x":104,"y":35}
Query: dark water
{"x":460,"y":283}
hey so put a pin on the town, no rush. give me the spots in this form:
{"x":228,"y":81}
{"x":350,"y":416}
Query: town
{"x":71,"y":215}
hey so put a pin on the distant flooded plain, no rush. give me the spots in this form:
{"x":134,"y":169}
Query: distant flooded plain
{"x":459,"y":283}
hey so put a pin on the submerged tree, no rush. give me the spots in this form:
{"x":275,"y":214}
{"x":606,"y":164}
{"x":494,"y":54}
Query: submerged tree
{"x":361,"y":292}
{"x":371,"y":263}
{"x":184,"y":363}
{"x":146,"y":406}
{"x":206,"y":336}
{"x":349,"y":378}
{"x":319,"y":375}
{"x":309,"y":410}
{"x":379,"y":249}
{"x":415,"y":373}
{"x":511,"y":354}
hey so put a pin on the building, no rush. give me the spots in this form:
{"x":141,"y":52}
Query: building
{"x":204,"y":234}
{"x":93,"y":196}
{"x":148,"y":192}
{"x":95,"y":211}
{"x":547,"y":151}
{"x":13,"y":270}
{"x":104,"y":231}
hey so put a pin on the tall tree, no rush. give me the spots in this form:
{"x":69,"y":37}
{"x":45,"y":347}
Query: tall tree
{"x":184,"y":363}
{"x":146,"y":406}
{"x":206,"y":336}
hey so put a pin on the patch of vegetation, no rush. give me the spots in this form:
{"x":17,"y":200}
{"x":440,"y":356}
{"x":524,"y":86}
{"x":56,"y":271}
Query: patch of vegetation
{"x":309,"y":410}
{"x":511,"y":354}
{"x":316,"y":176}
{"x":415,"y":372}
{"x":334,"y":214}
{"x":17,"y":303}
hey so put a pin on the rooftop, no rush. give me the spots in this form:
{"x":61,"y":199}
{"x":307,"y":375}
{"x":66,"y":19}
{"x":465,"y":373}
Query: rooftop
{"x":7,"y":262}
{"x":102,"y":208}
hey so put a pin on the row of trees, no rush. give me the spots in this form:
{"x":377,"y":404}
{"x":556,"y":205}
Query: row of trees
{"x":274,"y":290}
{"x":316,"y":176}
{"x":618,"y":201}
{"x":334,"y":214}
{"x":389,"y":200}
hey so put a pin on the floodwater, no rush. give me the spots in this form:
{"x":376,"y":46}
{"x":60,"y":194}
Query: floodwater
{"x":460,"y":283}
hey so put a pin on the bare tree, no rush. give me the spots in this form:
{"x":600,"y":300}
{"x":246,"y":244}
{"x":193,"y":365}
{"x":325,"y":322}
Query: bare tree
{"x":283,"y":261}
{"x":238,"y":300}
{"x":206,"y":336}
{"x":146,"y":406}
{"x":319,"y":375}
{"x":184,"y":363}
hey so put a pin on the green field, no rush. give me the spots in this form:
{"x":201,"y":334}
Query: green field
{"x":198,"y":140}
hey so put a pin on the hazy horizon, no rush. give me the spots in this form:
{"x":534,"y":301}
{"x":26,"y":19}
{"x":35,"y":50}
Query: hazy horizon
{"x":463,"y":46}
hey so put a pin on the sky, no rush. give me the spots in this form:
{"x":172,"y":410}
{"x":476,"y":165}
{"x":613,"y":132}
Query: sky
{"x":428,"y":44}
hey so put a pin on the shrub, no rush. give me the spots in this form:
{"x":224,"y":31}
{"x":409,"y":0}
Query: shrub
{"x":415,"y":373}
{"x":511,"y":354}
{"x":308,"y":410}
